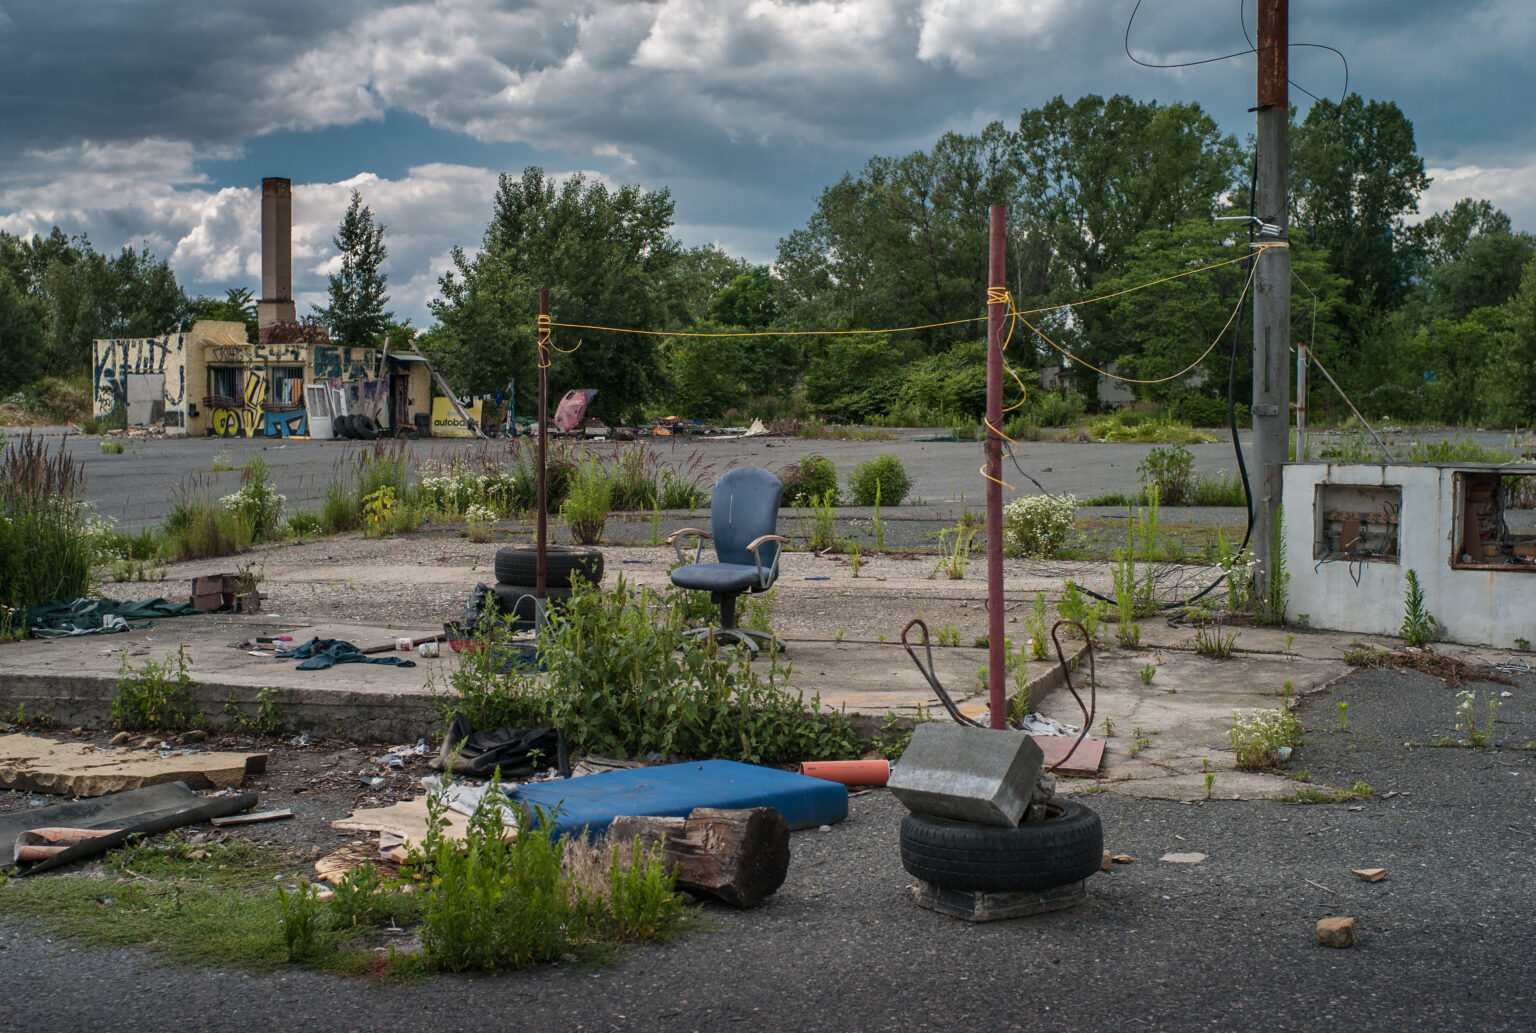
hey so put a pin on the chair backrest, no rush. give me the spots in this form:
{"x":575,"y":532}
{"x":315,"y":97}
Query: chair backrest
{"x":744,"y":506}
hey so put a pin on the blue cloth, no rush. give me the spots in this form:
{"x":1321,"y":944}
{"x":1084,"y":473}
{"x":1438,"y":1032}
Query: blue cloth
{"x":320,"y":653}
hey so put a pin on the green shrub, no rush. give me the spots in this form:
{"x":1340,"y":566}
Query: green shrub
{"x":883,"y":477}
{"x":304,"y":525}
{"x":813,"y":479}
{"x":1257,"y":737}
{"x":257,"y":502}
{"x":343,"y":510}
{"x":197,"y":529}
{"x":1199,"y":410}
{"x":1039,"y":525}
{"x":1419,"y":625}
{"x":587,"y":502}
{"x":47,"y":546}
{"x":157,"y":697}
{"x":1055,"y":408}
{"x":1170,"y":471}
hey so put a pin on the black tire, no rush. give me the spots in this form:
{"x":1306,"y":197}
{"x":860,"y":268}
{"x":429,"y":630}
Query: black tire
{"x":343,"y":425}
{"x":517,"y":600}
{"x":517,"y":565}
{"x":1039,"y":855}
{"x":365,"y":427}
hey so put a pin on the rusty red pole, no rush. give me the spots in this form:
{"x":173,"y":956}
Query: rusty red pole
{"x":997,"y":654}
{"x":541,"y":504}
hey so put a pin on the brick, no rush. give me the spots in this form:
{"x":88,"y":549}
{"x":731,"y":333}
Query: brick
{"x":1336,"y":932}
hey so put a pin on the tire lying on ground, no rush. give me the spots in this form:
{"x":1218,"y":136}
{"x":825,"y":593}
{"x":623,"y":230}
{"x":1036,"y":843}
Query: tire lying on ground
{"x":342,"y":425}
{"x":1040,"y":855}
{"x":365,"y":427}
{"x":517,"y":600}
{"x":517,"y":565}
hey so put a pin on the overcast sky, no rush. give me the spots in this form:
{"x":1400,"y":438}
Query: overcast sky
{"x":153,"y":121}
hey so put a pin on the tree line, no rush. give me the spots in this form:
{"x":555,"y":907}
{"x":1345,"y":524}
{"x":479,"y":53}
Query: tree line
{"x":1430,"y":321}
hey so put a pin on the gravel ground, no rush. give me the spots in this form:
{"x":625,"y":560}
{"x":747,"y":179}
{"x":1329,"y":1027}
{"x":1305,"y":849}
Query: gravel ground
{"x":1446,"y":941}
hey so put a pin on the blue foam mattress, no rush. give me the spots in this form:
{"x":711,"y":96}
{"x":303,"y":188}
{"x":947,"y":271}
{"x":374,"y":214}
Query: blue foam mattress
{"x":674,"y":790}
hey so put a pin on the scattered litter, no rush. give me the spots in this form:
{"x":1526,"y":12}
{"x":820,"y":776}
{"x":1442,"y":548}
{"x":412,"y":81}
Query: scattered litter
{"x":302,"y":739}
{"x":1122,"y":858}
{"x":1190,"y":858}
{"x":516,"y":752}
{"x":1320,"y":886}
{"x":1370,"y":874}
{"x":1036,"y":724}
{"x":318,"y":654}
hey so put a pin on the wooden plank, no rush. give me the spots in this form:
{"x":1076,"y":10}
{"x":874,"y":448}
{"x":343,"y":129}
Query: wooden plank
{"x":1085,"y":761}
{"x":251,"y":819}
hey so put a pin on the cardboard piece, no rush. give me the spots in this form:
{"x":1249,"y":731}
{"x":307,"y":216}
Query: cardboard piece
{"x":1085,"y":761}
{"x":34,"y":764}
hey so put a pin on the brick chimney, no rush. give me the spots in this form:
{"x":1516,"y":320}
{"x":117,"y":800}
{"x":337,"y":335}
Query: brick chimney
{"x":276,"y":303}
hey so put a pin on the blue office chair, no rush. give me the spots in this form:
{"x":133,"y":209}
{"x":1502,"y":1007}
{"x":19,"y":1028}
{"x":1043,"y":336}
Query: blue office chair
{"x":743,"y":513}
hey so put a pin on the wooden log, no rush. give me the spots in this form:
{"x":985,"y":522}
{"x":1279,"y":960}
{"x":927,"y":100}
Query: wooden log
{"x":738,"y":856}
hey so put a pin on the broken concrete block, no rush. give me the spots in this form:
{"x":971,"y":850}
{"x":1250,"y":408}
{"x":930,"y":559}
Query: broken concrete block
{"x":1183,"y":858}
{"x":1105,"y":865}
{"x":1336,"y":932}
{"x":967,"y":774}
{"x":1370,"y":874}
{"x":32,"y":763}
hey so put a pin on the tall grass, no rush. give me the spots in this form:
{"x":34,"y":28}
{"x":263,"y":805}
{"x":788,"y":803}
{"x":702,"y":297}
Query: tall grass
{"x":45,"y":547}
{"x":197,"y":528}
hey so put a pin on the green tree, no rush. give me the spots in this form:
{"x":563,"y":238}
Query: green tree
{"x":1354,"y":174}
{"x":237,"y":306}
{"x":356,"y":315}
{"x":607,"y":258}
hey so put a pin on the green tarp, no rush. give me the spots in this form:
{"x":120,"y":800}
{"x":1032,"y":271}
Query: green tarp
{"x":65,"y":619}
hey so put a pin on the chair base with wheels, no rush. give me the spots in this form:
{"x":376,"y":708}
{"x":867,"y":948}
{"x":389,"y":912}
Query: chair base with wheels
{"x":728,"y":631}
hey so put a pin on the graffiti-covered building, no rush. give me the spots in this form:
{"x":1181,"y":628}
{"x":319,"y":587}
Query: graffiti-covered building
{"x":290,"y":382}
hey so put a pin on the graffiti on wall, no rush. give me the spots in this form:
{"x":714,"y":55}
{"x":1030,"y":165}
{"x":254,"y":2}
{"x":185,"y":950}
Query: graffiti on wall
{"x":112,"y":361}
{"x":290,"y":424}
{"x":244,"y":420}
{"x":333,"y":362}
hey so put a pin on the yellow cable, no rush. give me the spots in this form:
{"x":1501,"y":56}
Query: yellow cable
{"x":1160,"y":380}
{"x":766,"y":333}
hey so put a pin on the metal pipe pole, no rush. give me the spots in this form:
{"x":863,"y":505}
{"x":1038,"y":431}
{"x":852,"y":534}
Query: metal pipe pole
{"x":1271,"y":289}
{"x":997,"y":655}
{"x":541,"y":504}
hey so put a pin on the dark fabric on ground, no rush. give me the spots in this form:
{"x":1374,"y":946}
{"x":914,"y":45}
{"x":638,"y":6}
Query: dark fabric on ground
{"x":65,"y":618}
{"x":518,"y":752}
{"x":132,"y":813}
{"x":320,"y":653}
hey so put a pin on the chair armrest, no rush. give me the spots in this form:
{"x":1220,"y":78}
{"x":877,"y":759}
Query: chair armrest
{"x":766,"y":579}
{"x":698,"y":542}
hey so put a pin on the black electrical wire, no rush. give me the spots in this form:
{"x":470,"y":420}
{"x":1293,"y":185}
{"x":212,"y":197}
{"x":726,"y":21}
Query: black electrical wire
{"x":1242,"y":19}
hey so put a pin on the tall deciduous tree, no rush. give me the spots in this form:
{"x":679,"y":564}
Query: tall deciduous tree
{"x":607,"y":258}
{"x":356,"y":315}
{"x":1355,"y":173}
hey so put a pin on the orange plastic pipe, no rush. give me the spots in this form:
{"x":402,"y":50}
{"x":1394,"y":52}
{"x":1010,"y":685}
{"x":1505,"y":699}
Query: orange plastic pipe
{"x":849,"y":772}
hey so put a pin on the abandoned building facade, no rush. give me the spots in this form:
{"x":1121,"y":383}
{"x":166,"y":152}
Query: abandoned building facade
{"x":290,"y":382}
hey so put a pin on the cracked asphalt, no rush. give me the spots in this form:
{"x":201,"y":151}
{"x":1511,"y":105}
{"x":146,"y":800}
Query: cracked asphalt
{"x":1447,"y":941}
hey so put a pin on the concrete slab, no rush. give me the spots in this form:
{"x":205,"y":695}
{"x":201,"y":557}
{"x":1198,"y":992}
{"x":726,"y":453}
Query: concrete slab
{"x":34,"y":764}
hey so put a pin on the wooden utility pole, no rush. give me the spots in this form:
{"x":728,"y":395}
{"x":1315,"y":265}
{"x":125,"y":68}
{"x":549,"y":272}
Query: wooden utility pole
{"x":997,"y":655}
{"x":1271,"y":289}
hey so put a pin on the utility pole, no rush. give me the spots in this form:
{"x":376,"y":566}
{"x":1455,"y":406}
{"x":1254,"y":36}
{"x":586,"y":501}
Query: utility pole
{"x":1271,"y":290}
{"x":997,"y":656}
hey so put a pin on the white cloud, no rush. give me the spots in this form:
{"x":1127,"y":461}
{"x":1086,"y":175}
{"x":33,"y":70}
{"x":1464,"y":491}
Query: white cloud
{"x":980,"y":38}
{"x":1507,"y":187}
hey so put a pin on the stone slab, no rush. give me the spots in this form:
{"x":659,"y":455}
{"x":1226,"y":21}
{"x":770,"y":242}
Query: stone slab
{"x":966,"y":773}
{"x":34,"y":764}
{"x":980,"y":906}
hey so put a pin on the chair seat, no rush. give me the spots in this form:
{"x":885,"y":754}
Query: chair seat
{"x":716,"y":577}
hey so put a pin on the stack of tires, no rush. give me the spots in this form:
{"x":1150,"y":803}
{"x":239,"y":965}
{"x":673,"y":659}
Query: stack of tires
{"x":517,"y":567}
{"x":360,"y":427}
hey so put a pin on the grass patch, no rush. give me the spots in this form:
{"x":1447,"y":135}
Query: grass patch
{"x":212,"y":906}
{"x":817,"y":431}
